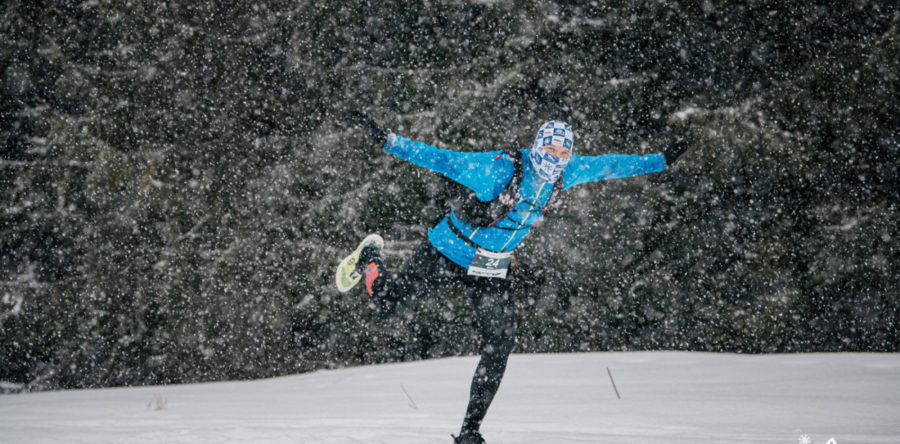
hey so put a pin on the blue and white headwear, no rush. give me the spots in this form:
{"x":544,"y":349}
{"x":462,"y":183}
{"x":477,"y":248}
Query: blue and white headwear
{"x":547,"y":166}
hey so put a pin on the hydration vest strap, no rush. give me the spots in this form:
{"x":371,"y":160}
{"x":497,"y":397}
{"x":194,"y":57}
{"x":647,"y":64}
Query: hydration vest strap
{"x":512,"y":190}
{"x":557,"y":187}
{"x":465,"y":238}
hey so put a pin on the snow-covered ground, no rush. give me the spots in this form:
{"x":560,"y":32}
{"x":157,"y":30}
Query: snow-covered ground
{"x":667,"y":397}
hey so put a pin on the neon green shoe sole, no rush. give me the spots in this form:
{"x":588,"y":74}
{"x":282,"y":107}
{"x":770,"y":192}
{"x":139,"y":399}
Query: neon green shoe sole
{"x":346,"y":276}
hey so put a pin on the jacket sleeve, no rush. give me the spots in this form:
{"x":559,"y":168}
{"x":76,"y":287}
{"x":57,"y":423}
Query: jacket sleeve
{"x":485,"y":173}
{"x":584,"y":169}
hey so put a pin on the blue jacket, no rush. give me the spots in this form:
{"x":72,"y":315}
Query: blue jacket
{"x":488,"y":173}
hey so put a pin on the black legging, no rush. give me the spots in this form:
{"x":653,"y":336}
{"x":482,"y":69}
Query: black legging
{"x":428,"y":270}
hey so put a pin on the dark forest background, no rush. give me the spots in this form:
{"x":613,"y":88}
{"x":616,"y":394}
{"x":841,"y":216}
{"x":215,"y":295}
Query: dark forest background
{"x":177,"y":183}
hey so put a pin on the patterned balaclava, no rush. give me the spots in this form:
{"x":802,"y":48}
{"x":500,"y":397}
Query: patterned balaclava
{"x":547,"y":166}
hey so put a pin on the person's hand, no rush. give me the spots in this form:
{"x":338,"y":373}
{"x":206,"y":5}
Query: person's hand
{"x":372,"y":129}
{"x":675,"y":149}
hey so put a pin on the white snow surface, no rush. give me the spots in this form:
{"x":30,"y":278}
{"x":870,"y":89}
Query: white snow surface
{"x":667,"y":397}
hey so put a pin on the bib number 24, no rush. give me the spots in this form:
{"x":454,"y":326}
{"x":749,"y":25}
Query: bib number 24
{"x":490,"y":264}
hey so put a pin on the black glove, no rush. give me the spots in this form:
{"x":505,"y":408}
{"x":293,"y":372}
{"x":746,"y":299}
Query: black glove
{"x":675,"y":149}
{"x":373,"y":130}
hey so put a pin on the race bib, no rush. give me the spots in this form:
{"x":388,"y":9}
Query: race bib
{"x":490,"y":264}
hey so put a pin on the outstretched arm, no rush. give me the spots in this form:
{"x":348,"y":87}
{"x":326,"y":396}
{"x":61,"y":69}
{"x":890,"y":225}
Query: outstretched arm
{"x":485,"y":173}
{"x":584,"y":169}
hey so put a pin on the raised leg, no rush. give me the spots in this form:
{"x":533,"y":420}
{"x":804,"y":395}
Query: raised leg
{"x":425,"y":271}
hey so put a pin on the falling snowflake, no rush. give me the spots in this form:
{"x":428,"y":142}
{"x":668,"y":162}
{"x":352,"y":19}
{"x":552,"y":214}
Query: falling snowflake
{"x":805,"y":439}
